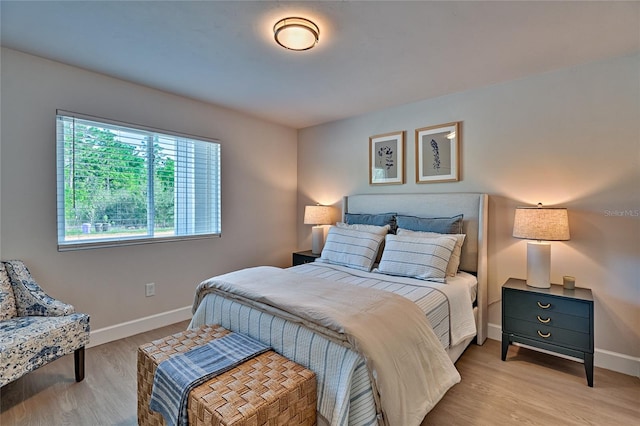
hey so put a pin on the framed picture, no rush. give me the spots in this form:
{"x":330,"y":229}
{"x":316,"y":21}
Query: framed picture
{"x":437,"y":153}
{"x":386,"y":159}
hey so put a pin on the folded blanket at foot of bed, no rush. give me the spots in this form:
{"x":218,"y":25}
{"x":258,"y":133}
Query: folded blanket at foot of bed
{"x":178,"y":375}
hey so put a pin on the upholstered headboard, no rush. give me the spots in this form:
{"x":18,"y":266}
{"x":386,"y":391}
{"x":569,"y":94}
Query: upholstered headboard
{"x":473,"y":207}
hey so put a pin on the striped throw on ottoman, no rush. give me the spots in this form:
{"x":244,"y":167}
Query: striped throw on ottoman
{"x":266,"y":390}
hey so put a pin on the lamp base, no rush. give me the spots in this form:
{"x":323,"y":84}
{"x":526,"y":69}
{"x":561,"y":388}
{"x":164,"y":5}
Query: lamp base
{"x":538,"y":264}
{"x":317,"y":239}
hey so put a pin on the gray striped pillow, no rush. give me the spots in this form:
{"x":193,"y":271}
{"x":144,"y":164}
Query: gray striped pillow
{"x":422,"y":258}
{"x":350,"y":247}
{"x":454,"y":261}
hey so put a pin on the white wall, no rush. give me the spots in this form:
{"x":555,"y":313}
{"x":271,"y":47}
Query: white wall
{"x":569,"y":138}
{"x":258,"y":192}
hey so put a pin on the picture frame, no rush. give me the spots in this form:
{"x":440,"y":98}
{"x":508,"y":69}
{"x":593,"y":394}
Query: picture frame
{"x":437,"y":153}
{"x":386,"y":159}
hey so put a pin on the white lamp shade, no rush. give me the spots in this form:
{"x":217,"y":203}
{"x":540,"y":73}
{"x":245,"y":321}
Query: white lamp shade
{"x":318,"y":215}
{"x":541,"y":223}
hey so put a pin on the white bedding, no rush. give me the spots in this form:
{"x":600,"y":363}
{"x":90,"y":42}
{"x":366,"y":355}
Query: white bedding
{"x":408,"y":365}
{"x":465,"y":279}
{"x":345,"y":395}
{"x":458,"y":291}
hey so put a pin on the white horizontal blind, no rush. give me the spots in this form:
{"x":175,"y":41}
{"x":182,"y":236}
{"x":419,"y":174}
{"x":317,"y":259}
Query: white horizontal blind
{"x":121,"y":184}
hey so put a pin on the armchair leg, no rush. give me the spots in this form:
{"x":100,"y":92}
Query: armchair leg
{"x":78,"y":357}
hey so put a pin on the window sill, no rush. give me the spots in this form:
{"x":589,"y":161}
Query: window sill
{"x":96,"y":244}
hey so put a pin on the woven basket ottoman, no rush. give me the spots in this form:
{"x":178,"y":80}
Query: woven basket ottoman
{"x":266,"y":390}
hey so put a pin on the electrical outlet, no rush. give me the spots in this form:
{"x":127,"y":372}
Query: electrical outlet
{"x":150,"y":289}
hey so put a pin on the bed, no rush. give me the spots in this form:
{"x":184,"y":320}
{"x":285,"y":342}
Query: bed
{"x":353,"y":387}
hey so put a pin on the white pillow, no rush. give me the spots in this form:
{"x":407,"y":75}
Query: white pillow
{"x":454,"y":261}
{"x":422,"y":258}
{"x":351,"y":247}
{"x":374,"y":229}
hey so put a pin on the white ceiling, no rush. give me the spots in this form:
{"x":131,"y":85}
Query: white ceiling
{"x":371,"y":55}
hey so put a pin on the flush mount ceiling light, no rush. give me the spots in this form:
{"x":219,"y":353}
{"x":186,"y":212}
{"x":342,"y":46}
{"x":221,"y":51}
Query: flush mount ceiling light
{"x":296,"y":33}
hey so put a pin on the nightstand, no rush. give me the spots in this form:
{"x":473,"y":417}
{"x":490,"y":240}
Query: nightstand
{"x":302,"y":257}
{"x":553,"y":319}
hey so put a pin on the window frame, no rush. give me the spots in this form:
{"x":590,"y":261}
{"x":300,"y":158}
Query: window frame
{"x":106,"y":242}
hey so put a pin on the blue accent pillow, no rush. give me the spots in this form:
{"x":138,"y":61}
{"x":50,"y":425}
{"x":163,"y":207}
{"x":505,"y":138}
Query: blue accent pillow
{"x":380,"y":219}
{"x":441,"y":225}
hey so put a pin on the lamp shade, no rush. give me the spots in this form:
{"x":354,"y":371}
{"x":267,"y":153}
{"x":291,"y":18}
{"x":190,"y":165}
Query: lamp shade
{"x":541,"y":223}
{"x":318,"y":215}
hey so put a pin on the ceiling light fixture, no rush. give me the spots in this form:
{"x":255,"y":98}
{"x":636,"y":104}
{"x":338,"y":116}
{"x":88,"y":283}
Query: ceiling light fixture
{"x":296,"y":33}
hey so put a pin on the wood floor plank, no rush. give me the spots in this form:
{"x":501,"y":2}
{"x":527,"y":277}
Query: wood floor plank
{"x":529,"y":388}
{"x":532,"y":388}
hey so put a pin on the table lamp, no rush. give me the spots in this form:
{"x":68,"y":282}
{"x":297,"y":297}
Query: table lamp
{"x":541,"y":224}
{"x":317,"y":216}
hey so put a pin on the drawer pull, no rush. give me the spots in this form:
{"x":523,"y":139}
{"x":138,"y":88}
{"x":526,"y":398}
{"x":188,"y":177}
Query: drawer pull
{"x":544,"y":336}
{"x":547,"y":306}
{"x":544,"y":321}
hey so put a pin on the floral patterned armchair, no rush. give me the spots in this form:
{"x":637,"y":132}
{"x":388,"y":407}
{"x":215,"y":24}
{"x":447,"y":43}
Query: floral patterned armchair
{"x":35,"y":328}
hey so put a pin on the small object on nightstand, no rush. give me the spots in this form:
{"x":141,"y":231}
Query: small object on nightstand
{"x":568,"y":282}
{"x":302,"y":257}
{"x":554,"y":319}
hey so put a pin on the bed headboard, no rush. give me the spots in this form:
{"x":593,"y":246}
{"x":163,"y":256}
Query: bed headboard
{"x":473,"y":206}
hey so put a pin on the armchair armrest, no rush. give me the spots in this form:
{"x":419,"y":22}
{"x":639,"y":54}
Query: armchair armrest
{"x":30,"y":299}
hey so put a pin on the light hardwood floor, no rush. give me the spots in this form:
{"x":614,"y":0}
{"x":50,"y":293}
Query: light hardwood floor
{"x":528,"y":389}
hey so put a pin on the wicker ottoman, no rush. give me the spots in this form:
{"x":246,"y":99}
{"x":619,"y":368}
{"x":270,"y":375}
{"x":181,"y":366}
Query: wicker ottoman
{"x":266,"y":390}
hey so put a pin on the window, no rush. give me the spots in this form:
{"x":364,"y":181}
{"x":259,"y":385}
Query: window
{"x":120,"y":184}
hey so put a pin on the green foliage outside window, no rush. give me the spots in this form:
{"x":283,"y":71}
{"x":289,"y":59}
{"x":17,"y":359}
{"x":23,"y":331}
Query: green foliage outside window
{"x":106,"y":181}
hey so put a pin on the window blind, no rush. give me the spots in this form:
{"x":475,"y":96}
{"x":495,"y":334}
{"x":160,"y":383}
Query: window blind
{"x":120,"y":183}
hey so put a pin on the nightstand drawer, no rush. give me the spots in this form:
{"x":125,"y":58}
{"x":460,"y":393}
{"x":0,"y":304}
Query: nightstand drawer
{"x":554,"y":335}
{"x":549,"y":319}
{"x":525,"y":303}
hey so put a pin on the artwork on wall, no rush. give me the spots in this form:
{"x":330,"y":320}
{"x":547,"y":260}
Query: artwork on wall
{"x":386,"y":159}
{"x":437,"y":153}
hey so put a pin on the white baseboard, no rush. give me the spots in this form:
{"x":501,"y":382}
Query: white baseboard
{"x":609,"y":360}
{"x":602,"y":358}
{"x":141,"y":325}
{"x":617,"y":362}
{"x":494,"y":332}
